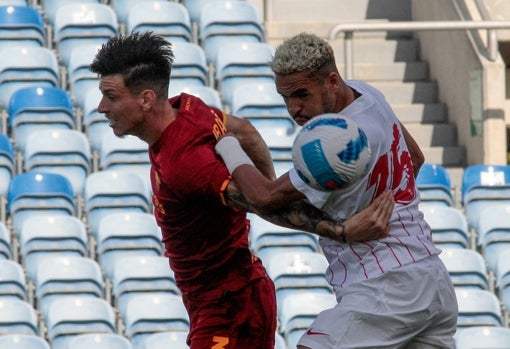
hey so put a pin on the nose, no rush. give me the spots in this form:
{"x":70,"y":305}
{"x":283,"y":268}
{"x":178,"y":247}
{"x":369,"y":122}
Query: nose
{"x":101,"y":107}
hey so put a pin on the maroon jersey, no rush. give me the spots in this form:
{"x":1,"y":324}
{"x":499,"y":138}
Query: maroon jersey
{"x":206,"y":241}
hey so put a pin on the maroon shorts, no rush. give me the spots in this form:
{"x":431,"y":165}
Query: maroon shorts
{"x":245,"y":318}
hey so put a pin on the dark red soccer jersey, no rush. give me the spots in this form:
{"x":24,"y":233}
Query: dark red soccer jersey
{"x":203,"y":237}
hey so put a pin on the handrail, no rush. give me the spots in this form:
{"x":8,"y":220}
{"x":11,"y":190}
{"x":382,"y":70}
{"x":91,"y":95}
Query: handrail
{"x":349,"y":28}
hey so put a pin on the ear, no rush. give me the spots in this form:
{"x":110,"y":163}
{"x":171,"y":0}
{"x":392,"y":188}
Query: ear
{"x":148,"y":98}
{"x":333,"y":79}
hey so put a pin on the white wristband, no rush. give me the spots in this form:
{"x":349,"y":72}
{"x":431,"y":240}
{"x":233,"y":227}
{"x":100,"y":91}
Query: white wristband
{"x":232,"y":153}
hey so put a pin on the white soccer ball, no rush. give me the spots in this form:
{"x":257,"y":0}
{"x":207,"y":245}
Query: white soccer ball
{"x":331,"y":152}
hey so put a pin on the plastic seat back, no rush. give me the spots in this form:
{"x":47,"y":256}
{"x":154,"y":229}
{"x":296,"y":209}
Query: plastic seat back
{"x":434,"y":184}
{"x":466,"y":267}
{"x":100,"y":341}
{"x":17,"y":316}
{"x":478,"y":308}
{"x":23,"y":341}
{"x":21,"y":25}
{"x":13,"y":282}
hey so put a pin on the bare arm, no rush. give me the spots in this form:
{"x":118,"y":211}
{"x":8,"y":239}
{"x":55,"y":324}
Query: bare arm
{"x":414,"y":149}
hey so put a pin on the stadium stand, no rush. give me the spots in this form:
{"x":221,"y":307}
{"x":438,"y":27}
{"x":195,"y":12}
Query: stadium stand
{"x":466,"y":267}
{"x":483,"y":337}
{"x":163,"y":340}
{"x":21,"y":25}
{"x":5,"y":242}
{"x":100,"y":341}
{"x":18,"y":317}
{"x":190,"y":66}
{"x":7,"y":165}
{"x":435,"y":185}
{"x":449,"y":226}
{"x":23,"y":341}
{"x":13,"y":283}
{"x":478,"y":308}
{"x":494,"y":233}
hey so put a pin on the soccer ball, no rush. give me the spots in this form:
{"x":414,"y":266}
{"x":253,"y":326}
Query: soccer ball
{"x":331,"y":152}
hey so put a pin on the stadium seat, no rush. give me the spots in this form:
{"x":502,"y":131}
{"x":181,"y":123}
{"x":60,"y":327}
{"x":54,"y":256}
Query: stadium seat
{"x":478,"y":308}
{"x":17,"y":317}
{"x":13,"y":283}
{"x":190,"y":66}
{"x":223,"y":22}
{"x":147,"y":314}
{"x":45,"y":236}
{"x":126,"y":234}
{"x":74,"y":315}
{"x":23,"y":66}
{"x":78,"y":24}
{"x":268,"y":240}
{"x":166,"y":339}
{"x":434,"y":185}
{"x":80,"y":78}
{"x":35,"y":108}
{"x":65,"y":152}
{"x":113,"y":191}
{"x":194,"y":8}
{"x":279,"y":135}
{"x":466,"y":267}
{"x":279,"y":342}
{"x":23,"y":341}
{"x":50,"y":7}
{"x":298,"y":312}
{"x":502,"y":282}
{"x":39,"y":193}
{"x":494,"y":233}
{"x":7,"y":166}
{"x":208,"y":94}
{"x":449,"y":226}
{"x":168,"y":19}
{"x":258,"y":99}
{"x":14,"y":2}
{"x":94,"y":123}
{"x":484,"y":186}
{"x":483,"y":337}
{"x":5,"y":242}
{"x":123,"y":8}
{"x":21,"y":25}
{"x":60,"y":277}
{"x":99,"y":341}
{"x":238,"y":64}
{"x":145,"y":274}
{"x":296,"y":272}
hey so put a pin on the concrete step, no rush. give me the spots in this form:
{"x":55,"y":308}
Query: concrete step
{"x":433,"y":135}
{"x":446,"y":156}
{"x":423,"y":113}
{"x":391,"y":71}
{"x":376,"y":50}
{"x":398,"y":92}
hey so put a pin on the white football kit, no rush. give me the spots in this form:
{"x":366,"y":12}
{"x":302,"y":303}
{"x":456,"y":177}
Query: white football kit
{"x":393,"y":292}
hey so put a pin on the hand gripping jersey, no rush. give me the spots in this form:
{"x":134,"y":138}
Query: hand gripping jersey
{"x":391,"y":168}
{"x":206,"y":241}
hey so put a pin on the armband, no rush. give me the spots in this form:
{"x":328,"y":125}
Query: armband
{"x":233,"y":155}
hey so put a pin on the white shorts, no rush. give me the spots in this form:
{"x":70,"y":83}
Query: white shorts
{"x":412,"y":307}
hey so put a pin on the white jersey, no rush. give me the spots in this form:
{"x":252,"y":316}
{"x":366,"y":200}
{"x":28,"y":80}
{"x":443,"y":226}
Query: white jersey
{"x":391,"y":167}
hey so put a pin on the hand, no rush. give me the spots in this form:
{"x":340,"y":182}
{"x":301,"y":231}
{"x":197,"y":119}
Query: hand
{"x":371,"y":223}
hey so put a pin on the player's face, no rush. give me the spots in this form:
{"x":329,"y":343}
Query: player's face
{"x":122,"y":109}
{"x":305,"y":97}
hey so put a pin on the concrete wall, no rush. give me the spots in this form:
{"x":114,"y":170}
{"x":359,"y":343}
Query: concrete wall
{"x":472,"y":86}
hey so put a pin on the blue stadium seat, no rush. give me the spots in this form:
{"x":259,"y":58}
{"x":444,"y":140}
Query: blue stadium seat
{"x":466,"y":267}
{"x":141,"y":275}
{"x":478,"y":308}
{"x":13,"y":283}
{"x":5,"y":242}
{"x":256,"y":100}
{"x":14,"y":2}
{"x":279,"y":135}
{"x":75,"y":315}
{"x":494,"y":233}
{"x":208,"y":94}
{"x":123,"y":8}
{"x":79,"y":24}
{"x":194,"y":8}
{"x":65,"y":152}
{"x":483,"y":337}
{"x":298,"y":312}
{"x":166,"y":339}
{"x":23,"y":66}
{"x":168,"y":19}
{"x":44,"y":236}
{"x":502,"y":276}
{"x":7,"y":166}
{"x":60,"y":277}
{"x":80,"y":78}
{"x":23,"y":341}
{"x":449,"y":226}
{"x":126,"y":234}
{"x":113,"y":191}
{"x":21,"y":25}
{"x":296,"y":272}
{"x":434,"y":184}
{"x":268,"y":240}
{"x":50,"y":7}
{"x":100,"y":341}
{"x":34,"y":108}
{"x":223,"y":22}
{"x":37,"y":193}
{"x":484,"y":186}
{"x":190,"y":65}
{"x":147,"y":314}
{"x":94,"y":123}
{"x":279,"y":342}
{"x":17,"y":317}
{"x":238,"y":64}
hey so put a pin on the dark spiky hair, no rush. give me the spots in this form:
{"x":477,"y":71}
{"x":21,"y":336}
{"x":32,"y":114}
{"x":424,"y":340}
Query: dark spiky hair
{"x":143,"y":59}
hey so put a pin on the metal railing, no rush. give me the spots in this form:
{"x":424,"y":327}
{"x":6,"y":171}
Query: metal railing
{"x":348,"y":29}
